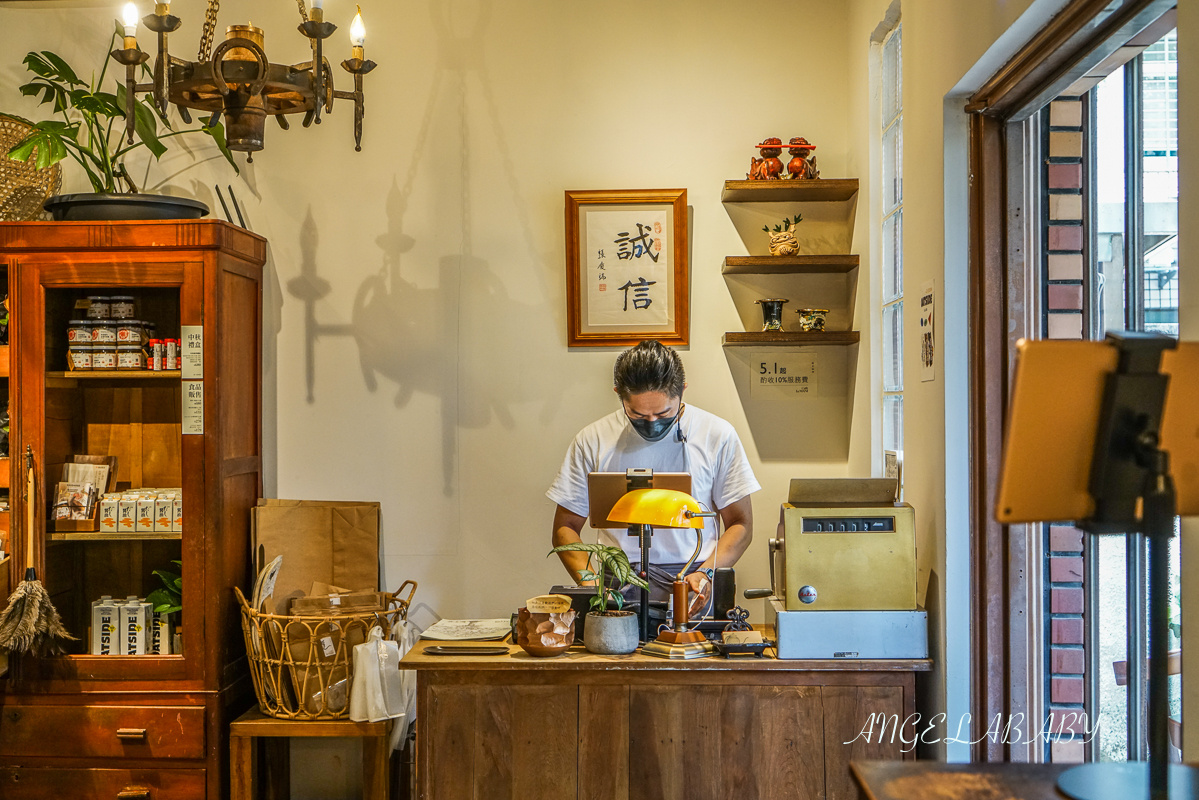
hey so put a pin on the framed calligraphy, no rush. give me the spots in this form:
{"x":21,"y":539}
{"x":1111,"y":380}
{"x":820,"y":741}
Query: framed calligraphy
{"x":626,"y":267}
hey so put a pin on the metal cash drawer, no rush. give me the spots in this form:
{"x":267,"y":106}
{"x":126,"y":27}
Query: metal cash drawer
{"x":104,"y":731}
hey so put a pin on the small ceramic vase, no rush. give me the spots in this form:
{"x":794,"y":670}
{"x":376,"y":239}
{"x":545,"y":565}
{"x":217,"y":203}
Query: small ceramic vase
{"x":783,"y":243}
{"x":772,"y":313}
{"x":812,"y":319}
{"x":543,"y":635}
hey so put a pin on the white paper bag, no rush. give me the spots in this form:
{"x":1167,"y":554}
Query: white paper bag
{"x":376,"y":693}
{"x":406,"y":635}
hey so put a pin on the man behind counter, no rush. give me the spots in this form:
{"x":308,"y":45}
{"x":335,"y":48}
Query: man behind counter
{"x":655,"y":430}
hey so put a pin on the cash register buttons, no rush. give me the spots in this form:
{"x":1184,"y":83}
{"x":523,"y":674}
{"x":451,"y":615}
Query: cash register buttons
{"x":807,"y":594}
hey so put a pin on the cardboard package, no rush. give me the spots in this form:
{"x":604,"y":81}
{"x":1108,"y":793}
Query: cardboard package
{"x":340,"y":603}
{"x":326,"y":541}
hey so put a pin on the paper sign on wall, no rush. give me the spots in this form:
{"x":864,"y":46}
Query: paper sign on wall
{"x":191,"y":350}
{"x":781,"y":374}
{"x":928,"y":336}
{"x":193,"y":407}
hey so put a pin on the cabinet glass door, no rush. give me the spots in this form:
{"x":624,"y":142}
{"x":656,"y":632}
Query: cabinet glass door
{"x":102,"y":394}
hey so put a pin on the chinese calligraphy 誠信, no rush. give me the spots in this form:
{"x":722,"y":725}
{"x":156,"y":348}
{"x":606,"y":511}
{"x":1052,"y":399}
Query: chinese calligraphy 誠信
{"x":627,"y":267}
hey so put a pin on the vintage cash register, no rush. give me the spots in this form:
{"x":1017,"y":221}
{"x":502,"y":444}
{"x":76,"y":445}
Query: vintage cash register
{"x":843,"y":572}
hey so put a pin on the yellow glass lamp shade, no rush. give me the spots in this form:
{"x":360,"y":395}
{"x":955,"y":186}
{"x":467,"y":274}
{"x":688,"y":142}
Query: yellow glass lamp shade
{"x":661,"y":508}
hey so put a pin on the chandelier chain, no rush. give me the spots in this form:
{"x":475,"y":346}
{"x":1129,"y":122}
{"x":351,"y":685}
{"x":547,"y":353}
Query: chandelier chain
{"x":303,"y":11}
{"x":209,"y":27}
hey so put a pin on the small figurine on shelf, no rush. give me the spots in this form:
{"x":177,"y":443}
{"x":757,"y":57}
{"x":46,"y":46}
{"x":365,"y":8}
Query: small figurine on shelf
{"x":782,"y":240}
{"x":772,"y":313}
{"x":768,"y":167}
{"x":803,"y":165}
{"x":811,"y":320}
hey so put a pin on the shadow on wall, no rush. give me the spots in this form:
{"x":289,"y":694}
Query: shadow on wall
{"x":414,"y":337}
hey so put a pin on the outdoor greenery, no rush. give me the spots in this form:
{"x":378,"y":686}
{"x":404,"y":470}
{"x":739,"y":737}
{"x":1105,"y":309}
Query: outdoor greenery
{"x":88,"y":125}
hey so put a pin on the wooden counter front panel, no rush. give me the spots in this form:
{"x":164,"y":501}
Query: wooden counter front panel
{"x":503,"y":741}
{"x":648,"y":741}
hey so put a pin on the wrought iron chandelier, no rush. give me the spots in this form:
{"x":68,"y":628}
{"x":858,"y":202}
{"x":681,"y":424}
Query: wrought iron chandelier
{"x":235,"y":79}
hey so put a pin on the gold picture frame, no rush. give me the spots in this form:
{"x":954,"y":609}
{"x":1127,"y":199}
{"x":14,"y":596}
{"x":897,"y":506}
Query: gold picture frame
{"x":627,"y":267}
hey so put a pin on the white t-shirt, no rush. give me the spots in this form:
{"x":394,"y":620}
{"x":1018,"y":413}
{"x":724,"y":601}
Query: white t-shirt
{"x":710,"y":451}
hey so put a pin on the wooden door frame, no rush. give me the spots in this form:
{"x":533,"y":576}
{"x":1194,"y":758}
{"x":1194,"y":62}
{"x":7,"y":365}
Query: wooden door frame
{"x":1080,"y":36}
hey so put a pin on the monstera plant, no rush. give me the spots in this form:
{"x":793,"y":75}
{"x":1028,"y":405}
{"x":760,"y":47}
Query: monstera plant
{"x":88,"y":124}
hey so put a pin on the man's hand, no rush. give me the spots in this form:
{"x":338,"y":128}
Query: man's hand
{"x":701,"y":589}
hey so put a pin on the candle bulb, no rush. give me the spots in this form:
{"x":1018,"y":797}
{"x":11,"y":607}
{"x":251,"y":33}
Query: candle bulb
{"x":317,"y":13}
{"x":130,"y":20}
{"x":357,"y":36}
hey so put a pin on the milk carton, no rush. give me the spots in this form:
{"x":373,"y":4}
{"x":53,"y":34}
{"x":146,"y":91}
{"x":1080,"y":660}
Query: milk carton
{"x":177,"y":518}
{"x":134,"y":623}
{"x":164,"y":512}
{"x":104,"y":627}
{"x":109,"y":513}
{"x":127,"y":513}
{"x":160,"y":634}
{"x":145,"y":514}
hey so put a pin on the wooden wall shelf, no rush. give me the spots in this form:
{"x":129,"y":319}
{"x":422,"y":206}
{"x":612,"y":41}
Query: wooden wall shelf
{"x":789,"y":339}
{"x":820,"y":190}
{"x":788,"y":265}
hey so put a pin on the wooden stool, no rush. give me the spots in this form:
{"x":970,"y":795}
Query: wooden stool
{"x":243,"y":769}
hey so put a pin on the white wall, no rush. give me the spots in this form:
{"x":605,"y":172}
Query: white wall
{"x":440,"y":380}
{"x":942,"y":41}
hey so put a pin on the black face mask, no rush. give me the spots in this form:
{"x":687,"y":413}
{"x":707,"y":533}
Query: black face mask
{"x":655,"y":430}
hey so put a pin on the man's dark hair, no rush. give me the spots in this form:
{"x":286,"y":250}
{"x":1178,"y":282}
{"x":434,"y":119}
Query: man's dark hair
{"x":649,"y":367}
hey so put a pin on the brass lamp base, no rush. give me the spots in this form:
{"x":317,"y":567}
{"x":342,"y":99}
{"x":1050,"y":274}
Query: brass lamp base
{"x":680,"y":645}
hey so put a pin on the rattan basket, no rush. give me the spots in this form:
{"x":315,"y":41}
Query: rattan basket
{"x":302,"y":665}
{"x":23,"y":187}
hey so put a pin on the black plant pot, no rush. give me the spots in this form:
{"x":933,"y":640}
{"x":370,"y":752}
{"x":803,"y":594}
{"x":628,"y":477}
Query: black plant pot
{"x":115,"y":207}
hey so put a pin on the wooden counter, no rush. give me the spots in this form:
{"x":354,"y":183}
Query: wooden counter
{"x":616,"y":727}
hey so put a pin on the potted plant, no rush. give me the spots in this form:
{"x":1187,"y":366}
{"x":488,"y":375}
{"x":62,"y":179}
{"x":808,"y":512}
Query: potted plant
{"x":87,"y":127}
{"x":168,"y":599}
{"x":615,"y":631}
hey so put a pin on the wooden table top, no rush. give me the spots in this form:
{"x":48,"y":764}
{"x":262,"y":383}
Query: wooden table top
{"x":926,"y":780}
{"x":576,"y":658}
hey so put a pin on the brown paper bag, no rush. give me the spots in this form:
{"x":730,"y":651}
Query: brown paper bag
{"x":327,"y":541}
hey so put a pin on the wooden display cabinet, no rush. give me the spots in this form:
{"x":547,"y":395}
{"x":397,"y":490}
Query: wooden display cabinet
{"x":145,"y":726}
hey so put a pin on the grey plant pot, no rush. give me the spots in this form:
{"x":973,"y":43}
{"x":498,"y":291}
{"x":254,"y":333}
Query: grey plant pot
{"x":611,"y":634}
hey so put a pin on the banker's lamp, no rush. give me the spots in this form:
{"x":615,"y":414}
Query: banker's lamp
{"x":668,"y":508}
{"x":236,"y":80}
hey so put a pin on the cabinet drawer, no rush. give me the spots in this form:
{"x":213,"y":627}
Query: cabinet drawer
{"x":38,"y":783}
{"x":109,"y":731}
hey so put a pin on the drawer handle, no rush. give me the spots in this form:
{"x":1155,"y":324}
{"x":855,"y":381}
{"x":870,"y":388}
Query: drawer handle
{"x":134,"y":793}
{"x":132,"y":734}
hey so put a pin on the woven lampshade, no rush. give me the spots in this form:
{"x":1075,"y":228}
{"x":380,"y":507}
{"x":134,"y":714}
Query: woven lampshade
{"x":23,"y":187}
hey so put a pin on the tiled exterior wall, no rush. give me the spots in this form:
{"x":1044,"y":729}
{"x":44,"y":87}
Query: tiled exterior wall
{"x":1065,"y":317}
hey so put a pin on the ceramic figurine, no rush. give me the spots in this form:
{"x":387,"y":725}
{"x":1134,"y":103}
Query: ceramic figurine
{"x":803,"y":164}
{"x":768,"y":167}
{"x":811,"y":320}
{"x":782,"y":239}
{"x":783,"y":243}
